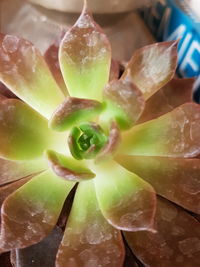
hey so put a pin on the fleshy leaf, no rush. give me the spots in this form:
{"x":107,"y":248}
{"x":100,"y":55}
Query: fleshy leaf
{"x":73,"y":111}
{"x":31,"y":212}
{"x":8,"y":189}
{"x":175,"y":134}
{"x":51,"y":57}
{"x":126,"y":201}
{"x":152,"y":66}
{"x":172,"y":95}
{"x":68,"y":167}
{"x":85,"y":57}
{"x":88,"y":238}
{"x":14,"y":170}
{"x":24,"y":71}
{"x":24,"y":133}
{"x":176,"y":242}
{"x":34,"y":256}
{"x":175,"y":179}
{"x":124,"y":102}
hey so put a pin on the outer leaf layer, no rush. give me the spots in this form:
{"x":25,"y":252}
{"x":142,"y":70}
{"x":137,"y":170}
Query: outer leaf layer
{"x":175,"y":134}
{"x":14,"y":170}
{"x":24,"y":134}
{"x":176,"y":243}
{"x":172,"y":95}
{"x":85,"y":58}
{"x":51,"y":57}
{"x":175,"y":179}
{"x":24,"y":71}
{"x":152,"y":66}
{"x":31,"y":212}
{"x":126,"y":201}
{"x":88,"y":238}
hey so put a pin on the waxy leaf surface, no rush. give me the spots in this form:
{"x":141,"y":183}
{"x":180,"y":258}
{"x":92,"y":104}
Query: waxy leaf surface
{"x":88,"y":239}
{"x":124,"y":102}
{"x":73,"y":111}
{"x":152,"y":66}
{"x":24,"y":71}
{"x":126,"y":201}
{"x":175,"y":179}
{"x":51,"y":57}
{"x":176,"y":243}
{"x":31,"y":212}
{"x":68,"y":168}
{"x":175,"y":134}
{"x":24,"y":133}
{"x":15,"y":170}
{"x":85,"y":58}
{"x":172,"y":95}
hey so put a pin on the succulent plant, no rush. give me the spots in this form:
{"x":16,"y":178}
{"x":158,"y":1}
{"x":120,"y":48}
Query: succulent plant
{"x":92,"y":170}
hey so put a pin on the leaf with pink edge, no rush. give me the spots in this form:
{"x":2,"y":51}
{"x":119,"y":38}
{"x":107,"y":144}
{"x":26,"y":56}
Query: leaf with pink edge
{"x":51,"y":57}
{"x":176,"y":242}
{"x":152,"y":66}
{"x":31,"y":212}
{"x":175,"y":134}
{"x":73,"y":111}
{"x":126,"y":201}
{"x":85,"y":58}
{"x":24,"y":133}
{"x":24,"y":71}
{"x":68,"y":168}
{"x":88,"y":238}
{"x":14,"y":170}
{"x":175,"y":179}
{"x":172,"y":95}
{"x":124,"y":102}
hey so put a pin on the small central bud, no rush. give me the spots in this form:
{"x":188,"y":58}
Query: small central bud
{"x":86,"y":141}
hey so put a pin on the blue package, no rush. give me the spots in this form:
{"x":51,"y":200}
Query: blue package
{"x":172,"y":20}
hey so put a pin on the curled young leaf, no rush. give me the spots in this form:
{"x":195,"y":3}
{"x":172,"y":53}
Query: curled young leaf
{"x":89,"y":239}
{"x":152,"y":66}
{"x":68,"y":168}
{"x":73,"y":111}
{"x":85,"y":58}
{"x":175,"y":134}
{"x":24,"y":71}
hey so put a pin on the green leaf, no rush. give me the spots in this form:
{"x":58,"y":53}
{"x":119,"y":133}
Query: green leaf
{"x":85,"y":58}
{"x":24,"y":71}
{"x":88,"y":238}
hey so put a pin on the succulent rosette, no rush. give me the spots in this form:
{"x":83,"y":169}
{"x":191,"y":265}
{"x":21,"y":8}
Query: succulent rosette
{"x":126,"y":146}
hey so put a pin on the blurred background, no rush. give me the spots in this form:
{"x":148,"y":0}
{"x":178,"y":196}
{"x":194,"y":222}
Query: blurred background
{"x":129,"y":24}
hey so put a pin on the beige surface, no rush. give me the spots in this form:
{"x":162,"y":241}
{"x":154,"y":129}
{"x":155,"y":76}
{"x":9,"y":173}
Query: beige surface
{"x":97,"y":6}
{"x":41,"y":26}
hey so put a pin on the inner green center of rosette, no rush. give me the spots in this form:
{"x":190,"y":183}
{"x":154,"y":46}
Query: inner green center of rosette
{"x":86,"y":140}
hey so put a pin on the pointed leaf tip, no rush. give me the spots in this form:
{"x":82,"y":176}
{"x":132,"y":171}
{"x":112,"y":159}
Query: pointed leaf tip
{"x":85,"y":58}
{"x":152,"y":66}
